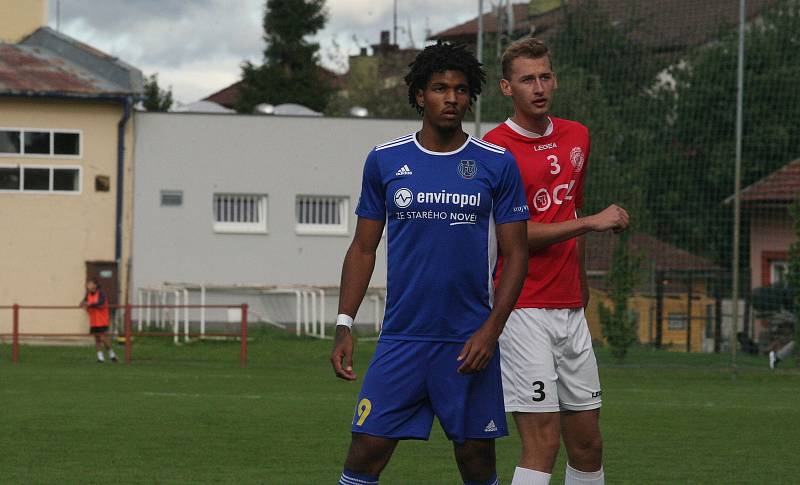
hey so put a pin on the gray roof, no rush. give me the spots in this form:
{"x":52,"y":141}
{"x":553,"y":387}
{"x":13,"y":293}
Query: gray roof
{"x":48,"y":63}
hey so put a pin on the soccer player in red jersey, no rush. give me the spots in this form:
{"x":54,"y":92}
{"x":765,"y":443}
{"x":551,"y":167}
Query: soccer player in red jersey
{"x":96,"y":304}
{"x":550,"y":378}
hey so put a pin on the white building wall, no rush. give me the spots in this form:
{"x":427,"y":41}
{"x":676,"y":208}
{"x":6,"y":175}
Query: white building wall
{"x":203,"y":154}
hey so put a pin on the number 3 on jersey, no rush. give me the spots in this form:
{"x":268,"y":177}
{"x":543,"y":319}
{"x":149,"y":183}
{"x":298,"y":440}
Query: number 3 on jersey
{"x":362,"y":410}
{"x":554,"y":163}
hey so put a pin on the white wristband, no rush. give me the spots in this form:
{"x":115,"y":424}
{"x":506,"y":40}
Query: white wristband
{"x":345,"y":320}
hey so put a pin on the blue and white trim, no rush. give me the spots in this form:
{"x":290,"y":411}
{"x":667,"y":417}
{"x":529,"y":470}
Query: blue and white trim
{"x":396,"y":142}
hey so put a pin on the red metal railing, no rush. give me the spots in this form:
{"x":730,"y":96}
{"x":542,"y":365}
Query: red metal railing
{"x":128,"y":331}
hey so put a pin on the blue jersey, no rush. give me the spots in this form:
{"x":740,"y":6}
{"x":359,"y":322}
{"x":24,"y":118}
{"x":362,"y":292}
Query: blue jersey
{"x":441,"y":210}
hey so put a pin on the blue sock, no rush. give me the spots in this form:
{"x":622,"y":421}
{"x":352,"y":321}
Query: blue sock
{"x":352,"y":478}
{"x":491,"y":481}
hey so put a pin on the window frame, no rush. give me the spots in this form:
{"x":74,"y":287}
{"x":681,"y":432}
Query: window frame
{"x":673,"y":316}
{"x":52,"y":132}
{"x":261,"y":227}
{"x":170,"y":193}
{"x":341,"y":229}
{"x":774,"y":274}
{"x":50,"y":190}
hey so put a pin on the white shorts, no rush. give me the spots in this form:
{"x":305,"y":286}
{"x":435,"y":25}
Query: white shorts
{"x":547,"y":362}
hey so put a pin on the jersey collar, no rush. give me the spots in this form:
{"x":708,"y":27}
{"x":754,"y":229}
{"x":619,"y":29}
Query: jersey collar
{"x":429,"y":152}
{"x":530,"y":134}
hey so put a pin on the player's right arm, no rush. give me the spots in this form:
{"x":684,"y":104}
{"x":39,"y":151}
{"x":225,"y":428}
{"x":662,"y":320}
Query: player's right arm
{"x":541,"y":235}
{"x":359,"y":262}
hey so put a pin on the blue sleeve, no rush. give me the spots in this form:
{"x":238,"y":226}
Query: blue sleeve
{"x":509,"y":196}
{"x":372,"y":203}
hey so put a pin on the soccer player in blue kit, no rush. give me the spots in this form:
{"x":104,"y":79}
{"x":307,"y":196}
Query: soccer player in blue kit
{"x":449,"y":202}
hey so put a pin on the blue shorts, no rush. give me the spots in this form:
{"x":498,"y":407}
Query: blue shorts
{"x":408,"y":382}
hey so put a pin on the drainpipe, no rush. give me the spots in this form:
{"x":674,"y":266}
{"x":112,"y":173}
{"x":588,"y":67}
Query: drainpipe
{"x":127,"y":104}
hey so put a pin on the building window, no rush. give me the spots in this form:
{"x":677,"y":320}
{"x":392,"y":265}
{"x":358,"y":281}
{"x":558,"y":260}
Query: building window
{"x":35,"y":178}
{"x":9,"y":178}
{"x":321,"y":214}
{"x":778,"y":271}
{"x":676,"y":321}
{"x":240,"y":213}
{"x":9,"y":142}
{"x":40,"y":179}
{"x":66,"y":179}
{"x":40,"y":143}
{"x":709,"y":321}
{"x":37,"y":143}
{"x":66,"y":143}
{"x":171,"y":198}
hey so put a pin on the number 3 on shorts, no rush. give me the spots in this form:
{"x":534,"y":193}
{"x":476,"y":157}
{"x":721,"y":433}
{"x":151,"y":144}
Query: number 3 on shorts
{"x":538,"y":391}
{"x":362,"y":410}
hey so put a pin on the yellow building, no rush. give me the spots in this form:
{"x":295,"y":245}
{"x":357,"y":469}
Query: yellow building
{"x":674,"y":325}
{"x":66,"y":137}
{"x":675,"y":295}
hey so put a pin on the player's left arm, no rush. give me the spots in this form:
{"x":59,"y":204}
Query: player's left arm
{"x":581,"y":243}
{"x":479,"y":349}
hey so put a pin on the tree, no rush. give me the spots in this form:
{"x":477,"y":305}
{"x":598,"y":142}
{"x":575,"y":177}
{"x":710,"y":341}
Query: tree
{"x":604,"y":78}
{"x":495,"y":107}
{"x":155,"y":98}
{"x":618,"y":324}
{"x":699,"y":140}
{"x":590,"y":40}
{"x":290,"y":72}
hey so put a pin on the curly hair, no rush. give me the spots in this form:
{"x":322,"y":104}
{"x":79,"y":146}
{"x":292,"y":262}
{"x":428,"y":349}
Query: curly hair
{"x":444,"y":56}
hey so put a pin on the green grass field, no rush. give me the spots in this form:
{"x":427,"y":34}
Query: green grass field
{"x":190,"y":414}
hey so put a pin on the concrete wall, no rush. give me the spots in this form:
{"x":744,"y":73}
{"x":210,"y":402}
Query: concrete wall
{"x":19,"y":18}
{"x":48,"y":238}
{"x":204,"y":154}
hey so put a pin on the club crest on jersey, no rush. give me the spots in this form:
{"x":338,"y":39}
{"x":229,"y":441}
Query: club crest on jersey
{"x":577,"y":158}
{"x":467,"y":169}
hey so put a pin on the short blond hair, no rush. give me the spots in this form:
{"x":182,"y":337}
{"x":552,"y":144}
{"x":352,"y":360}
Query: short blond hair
{"x":528,"y":48}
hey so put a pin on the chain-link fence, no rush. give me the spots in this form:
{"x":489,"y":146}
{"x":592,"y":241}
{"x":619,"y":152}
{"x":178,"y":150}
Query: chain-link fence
{"x":656,"y":83}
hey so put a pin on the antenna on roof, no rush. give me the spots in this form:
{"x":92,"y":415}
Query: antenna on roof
{"x":395,"y":22}
{"x":427,"y":30}
{"x":58,"y":15}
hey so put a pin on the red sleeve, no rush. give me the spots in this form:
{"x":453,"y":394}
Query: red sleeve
{"x":494,"y":137}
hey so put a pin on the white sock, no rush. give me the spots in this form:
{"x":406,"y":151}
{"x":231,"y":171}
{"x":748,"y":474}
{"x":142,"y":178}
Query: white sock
{"x":111,"y":353}
{"x":577,"y":477}
{"x":526,"y":476}
{"x":100,"y":356}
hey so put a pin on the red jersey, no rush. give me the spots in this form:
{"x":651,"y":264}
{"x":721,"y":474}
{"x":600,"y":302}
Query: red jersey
{"x":552,"y":168}
{"x":97,"y":306}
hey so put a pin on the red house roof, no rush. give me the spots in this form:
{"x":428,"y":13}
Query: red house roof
{"x":666,"y":25}
{"x":781,"y":186}
{"x":660,"y":255}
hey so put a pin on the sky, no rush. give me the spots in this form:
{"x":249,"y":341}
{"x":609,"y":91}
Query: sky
{"x":197,"y":46}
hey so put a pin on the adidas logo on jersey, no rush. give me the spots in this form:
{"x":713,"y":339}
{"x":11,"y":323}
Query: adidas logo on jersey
{"x":404,"y":170}
{"x":491,"y":427}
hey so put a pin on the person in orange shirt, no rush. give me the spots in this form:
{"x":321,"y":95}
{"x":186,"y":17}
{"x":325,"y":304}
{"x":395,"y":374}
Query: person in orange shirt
{"x":96,"y":304}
